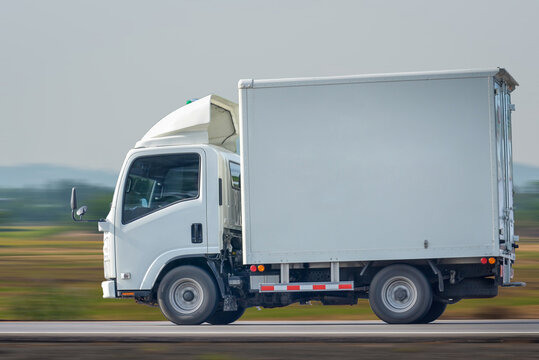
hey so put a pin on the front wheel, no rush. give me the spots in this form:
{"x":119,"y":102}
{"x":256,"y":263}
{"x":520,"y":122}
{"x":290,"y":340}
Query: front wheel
{"x":225,"y":317}
{"x":400,"y":294}
{"x":187,"y":295}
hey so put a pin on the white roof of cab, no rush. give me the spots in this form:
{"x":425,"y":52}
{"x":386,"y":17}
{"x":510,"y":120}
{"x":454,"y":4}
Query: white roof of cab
{"x":498,"y":73}
{"x":210,"y":120}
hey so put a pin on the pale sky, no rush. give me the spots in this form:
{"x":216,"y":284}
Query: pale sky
{"x":82,"y":81}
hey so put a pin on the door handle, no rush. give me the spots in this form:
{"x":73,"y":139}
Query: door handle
{"x":196,"y":233}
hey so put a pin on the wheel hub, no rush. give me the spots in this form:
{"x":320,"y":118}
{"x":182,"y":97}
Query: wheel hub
{"x":399,"y":294}
{"x":188,"y":295}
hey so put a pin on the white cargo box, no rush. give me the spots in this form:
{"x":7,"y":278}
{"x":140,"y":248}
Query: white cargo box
{"x":381,"y":167}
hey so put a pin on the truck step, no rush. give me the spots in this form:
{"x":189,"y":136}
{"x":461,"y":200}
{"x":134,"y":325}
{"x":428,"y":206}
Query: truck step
{"x":304,"y":286}
{"x":515,"y":284}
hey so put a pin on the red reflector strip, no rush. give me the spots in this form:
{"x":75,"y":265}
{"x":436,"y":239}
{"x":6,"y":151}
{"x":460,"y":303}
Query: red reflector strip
{"x":329,"y":286}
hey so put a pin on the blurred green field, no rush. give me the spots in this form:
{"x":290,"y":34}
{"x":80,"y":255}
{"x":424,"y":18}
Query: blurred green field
{"x":48,"y":273}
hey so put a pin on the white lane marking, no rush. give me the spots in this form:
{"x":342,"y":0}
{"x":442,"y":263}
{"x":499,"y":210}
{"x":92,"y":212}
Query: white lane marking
{"x":190,"y":333}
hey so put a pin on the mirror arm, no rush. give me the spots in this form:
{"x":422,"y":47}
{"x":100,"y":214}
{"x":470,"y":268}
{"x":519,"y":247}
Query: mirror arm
{"x":73,"y":215}
{"x":81,"y":220}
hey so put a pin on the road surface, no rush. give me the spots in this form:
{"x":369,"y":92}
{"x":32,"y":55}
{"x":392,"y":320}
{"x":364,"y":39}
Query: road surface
{"x":272,"y":331}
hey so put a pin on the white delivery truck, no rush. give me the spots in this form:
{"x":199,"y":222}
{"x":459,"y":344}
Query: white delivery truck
{"x":395,"y":187}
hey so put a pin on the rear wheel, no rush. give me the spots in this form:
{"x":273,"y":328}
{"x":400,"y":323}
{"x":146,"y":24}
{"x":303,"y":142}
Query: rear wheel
{"x":400,"y":294}
{"x":187,"y":295}
{"x":221,"y":317}
{"x":436,"y":310}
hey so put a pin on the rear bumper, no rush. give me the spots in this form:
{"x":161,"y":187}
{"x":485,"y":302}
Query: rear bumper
{"x":109,"y":289}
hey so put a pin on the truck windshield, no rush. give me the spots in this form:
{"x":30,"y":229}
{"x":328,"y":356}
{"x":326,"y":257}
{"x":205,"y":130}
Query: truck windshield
{"x":154,"y":182}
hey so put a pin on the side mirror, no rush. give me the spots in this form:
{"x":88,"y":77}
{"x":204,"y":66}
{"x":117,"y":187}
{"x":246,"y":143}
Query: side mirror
{"x":74,"y":199}
{"x":82,"y":210}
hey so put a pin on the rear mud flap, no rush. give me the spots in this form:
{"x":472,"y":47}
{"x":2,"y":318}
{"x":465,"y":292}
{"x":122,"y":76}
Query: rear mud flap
{"x":471,"y":289}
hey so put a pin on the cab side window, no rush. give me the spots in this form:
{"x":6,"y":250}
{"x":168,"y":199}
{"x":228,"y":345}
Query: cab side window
{"x":155,"y":182}
{"x":235,"y":174}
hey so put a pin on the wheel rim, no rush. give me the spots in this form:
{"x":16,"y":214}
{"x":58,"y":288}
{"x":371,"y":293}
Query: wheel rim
{"x":186,"y":296}
{"x":399,"y":294}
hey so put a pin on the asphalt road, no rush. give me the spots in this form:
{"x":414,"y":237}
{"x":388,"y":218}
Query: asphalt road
{"x":274,"y":331}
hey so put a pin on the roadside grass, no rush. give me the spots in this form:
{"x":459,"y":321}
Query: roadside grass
{"x":53,"y":273}
{"x":17,"y":232}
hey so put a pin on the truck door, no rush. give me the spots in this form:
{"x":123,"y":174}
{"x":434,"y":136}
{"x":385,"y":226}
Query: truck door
{"x":161,"y":210}
{"x":505,"y":177}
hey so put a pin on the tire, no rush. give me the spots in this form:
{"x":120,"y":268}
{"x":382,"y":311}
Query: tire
{"x":436,"y":310}
{"x":225,"y":317}
{"x":187,"y":295}
{"x":400,"y":294}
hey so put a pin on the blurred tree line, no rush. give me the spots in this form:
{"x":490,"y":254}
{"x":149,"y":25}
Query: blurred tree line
{"x":527,"y":210}
{"x":50,"y":205}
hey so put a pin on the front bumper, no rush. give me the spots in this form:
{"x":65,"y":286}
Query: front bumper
{"x":109,"y":289}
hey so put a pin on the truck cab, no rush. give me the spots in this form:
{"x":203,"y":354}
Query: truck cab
{"x":177,"y":198}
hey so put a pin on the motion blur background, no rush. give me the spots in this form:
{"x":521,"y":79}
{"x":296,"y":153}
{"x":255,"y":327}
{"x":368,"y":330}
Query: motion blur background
{"x":83,"y":81}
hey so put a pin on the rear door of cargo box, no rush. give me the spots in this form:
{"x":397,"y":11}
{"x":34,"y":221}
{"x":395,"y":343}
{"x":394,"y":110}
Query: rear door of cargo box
{"x":503,"y":108}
